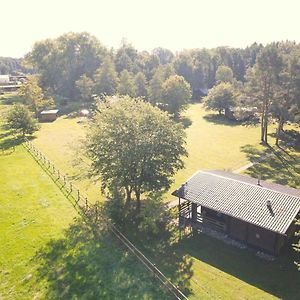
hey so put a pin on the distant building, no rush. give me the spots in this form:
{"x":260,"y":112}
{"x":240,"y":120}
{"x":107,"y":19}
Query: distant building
{"x":254,"y":212}
{"x":48,"y":115}
{"x":4,"y":79}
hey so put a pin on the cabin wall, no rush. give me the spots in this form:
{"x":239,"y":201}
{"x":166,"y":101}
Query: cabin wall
{"x":48,"y":118}
{"x":255,"y":236}
{"x":237,"y":229}
{"x":262,"y":238}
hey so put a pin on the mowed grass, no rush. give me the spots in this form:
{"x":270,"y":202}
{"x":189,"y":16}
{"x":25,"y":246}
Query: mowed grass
{"x":45,"y":253}
{"x":62,"y":142}
{"x":221,"y":271}
{"x":212,"y":143}
{"x":218,"y":271}
{"x":32,"y":212}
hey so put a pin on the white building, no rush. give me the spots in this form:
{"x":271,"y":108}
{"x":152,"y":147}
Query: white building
{"x":4,"y":79}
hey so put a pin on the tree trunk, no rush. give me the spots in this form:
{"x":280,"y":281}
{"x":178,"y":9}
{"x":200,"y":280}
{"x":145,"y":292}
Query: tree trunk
{"x":128,"y":196}
{"x":278,"y":131}
{"x":266,"y":111}
{"x":138,"y":200}
{"x":266,"y":128}
{"x":262,"y":128}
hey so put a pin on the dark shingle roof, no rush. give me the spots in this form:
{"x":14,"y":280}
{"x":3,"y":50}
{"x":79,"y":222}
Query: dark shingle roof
{"x":240,"y":197}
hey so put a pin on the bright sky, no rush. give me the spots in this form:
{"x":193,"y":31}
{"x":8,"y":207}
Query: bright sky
{"x":173,"y":24}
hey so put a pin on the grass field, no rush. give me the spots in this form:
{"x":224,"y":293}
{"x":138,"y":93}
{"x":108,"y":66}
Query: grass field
{"x":33,"y":211}
{"x":211,"y":143}
{"x":45,"y":253}
{"x":214,"y":270}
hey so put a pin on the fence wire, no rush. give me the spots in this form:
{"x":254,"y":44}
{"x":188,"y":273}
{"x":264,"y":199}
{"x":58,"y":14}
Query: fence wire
{"x":84,"y":207}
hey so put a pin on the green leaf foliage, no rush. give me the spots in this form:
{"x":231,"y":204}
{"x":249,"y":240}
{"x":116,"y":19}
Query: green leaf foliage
{"x":176,"y":94}
{"x":134,"y":146}
{"x":106,"y":78}
{"x":33,"y":96}
{"x":20,"y":121}
{"x":126,"y":84}
{"x":85,"y":86}
{"x":220,"y":97}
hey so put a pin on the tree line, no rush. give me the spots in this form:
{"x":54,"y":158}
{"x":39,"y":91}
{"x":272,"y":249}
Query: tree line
{"x":77,"y":65}
{"x":12,"y":66}
{"x":78,"y":62}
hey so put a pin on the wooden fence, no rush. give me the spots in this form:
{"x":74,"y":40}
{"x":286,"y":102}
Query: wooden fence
{"x":88,"y":210}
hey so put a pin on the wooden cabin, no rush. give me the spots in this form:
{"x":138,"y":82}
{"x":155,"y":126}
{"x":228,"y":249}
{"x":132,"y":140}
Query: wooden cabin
{"x":49,"y":115}
{"x":255,"y":212}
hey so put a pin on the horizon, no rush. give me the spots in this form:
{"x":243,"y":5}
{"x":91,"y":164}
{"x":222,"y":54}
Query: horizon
{"x":173,"y":25}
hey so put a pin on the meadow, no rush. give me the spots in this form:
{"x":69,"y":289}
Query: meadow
{"x":80,"y":265}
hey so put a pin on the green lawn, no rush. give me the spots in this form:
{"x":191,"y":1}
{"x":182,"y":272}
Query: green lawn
{"x":32,"y":212}
{"x":221,"y":271}
{"x":213,"y":269}
{"x":211,"y":144}
{"x":45,"y":253}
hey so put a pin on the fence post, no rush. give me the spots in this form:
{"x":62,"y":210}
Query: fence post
{"x":64,"y":180}
{"x":86,"y":203}
{"x":71,"y":187}
{"x":78,"y":196}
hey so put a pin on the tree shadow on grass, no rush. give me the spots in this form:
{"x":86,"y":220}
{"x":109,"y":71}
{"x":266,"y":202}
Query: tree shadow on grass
{"x":185,"y":121}
{"x":90,"y":264}
{"x":222,"y":120}
{"x":11,"y":99}
{"x":153,"y":232}
{"x":276,"y":164}
{"x":8,"y":142}
{"x":279,"y":278}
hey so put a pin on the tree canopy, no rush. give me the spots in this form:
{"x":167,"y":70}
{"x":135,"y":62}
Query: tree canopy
{"x":134,"y":147}
{"x":20,"y":120}
{"x":85,"y":86}
{"x":221,"y":97}
{"x":176,"y":94}
{"x":126,"y":84}
{"x":33,"y":96}
{"x":61,"y":61}
{"x":106,"y":78}
{"x":224,"y":74}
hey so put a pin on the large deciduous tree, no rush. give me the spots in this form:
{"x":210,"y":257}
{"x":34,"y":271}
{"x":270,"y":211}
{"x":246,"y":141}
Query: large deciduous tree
{"x":140,"y":85}
{"x":60,"y":62}
{"x":85,"y":86}
{"x":224,"y":74}
{"x":221,"y":97}
{"x":33,"y":96}
{"x":20,"y":121}
{"x":162,"y":73}
{"x":176,"y":94}
{"x":106,"y":78}
{"x":134,"y":147}
{"x":126,"y":84}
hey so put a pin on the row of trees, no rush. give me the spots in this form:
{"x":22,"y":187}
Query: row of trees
{"x":272,"y":86}
{"x":64,"y":60}
{"x":166,"y":88}
{"x":11,"y":66}
{"x":77,"y":65}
